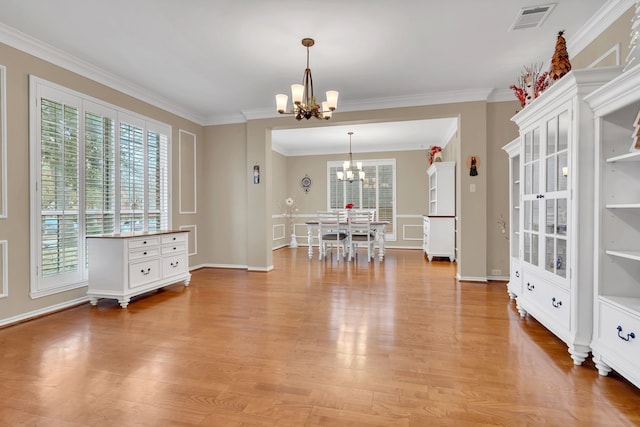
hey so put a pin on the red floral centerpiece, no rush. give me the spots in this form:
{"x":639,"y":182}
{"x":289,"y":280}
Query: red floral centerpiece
{"x":348,"y":206}
{"x":435,"y":154}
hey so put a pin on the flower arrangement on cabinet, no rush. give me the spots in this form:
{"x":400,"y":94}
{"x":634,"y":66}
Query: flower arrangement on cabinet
{"x":530,"y":84}
{"x":435,"y":154}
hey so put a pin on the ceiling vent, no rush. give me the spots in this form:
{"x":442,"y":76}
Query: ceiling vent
{"x":532,"y":17}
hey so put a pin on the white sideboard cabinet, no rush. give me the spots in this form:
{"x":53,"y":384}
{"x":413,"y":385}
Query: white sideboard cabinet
{"x":125,"y":265}
{"x":556,"y":208}
{"x":616,"y":322}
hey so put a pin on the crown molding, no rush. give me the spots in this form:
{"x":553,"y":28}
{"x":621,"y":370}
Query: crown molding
{"x":435,"y":98}
{"x":600,"y":21}
{"x":25,"y":43}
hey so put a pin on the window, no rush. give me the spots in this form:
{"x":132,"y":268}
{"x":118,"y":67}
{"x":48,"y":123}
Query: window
{"x":377,"y":191}
{"x":95,"y":169}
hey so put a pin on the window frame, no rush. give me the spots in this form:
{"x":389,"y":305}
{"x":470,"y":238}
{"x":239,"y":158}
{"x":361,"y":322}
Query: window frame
{"x":391,"y":233}
{"x":38,"y":89}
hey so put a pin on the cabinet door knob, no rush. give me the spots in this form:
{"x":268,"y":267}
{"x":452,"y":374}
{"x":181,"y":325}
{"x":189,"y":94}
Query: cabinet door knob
{"x":144,"y":253}
{"x":629,"y":336}
{"x":555,"y":303}
{"x":517,"y":273}
{"x":144,"y":243}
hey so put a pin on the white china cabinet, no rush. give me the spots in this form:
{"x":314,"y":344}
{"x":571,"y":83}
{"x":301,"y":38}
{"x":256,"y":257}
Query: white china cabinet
{"x":439,"y":226}
{"x":556,"y":218}
{"x":616,"y":327}
{"x":514,"y":287}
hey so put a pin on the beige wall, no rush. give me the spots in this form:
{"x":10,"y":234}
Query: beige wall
{"x":224,"y":191}
{"x":15,"y":228}
{"x":618,"y":34}
{"x":411,"y":190}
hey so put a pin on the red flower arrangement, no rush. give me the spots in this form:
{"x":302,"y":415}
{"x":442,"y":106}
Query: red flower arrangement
{"x":349,"y":206}
{"x":530,"y":84}
{"x":432,"y":153}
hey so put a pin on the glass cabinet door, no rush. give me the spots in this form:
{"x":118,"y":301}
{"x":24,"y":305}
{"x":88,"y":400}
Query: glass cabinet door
{"x":515,"y":205}
{"x":531,"y":196}
{"x":555,"y":194}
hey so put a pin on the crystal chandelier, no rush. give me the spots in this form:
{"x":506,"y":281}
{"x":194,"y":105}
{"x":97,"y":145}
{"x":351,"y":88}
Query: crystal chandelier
{"x":304,"y":102}
{"x":350,"y":171}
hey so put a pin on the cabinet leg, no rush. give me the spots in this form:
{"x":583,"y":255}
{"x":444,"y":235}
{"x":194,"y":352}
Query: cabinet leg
{"x":124,"y":302}
{"x":603,"y":368}
{"x":522,"y":311}
{"x":578,"y":353}
{"x":93,"y":301}
{"x":512,"y":296}
{"x":187,"y":281}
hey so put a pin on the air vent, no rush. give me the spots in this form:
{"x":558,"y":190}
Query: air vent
{"x":532,"y":17}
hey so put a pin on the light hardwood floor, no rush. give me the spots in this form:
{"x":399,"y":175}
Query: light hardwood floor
{"x":397,"y":343}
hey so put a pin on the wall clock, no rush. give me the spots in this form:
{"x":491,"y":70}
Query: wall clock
{"x":305,"y":183}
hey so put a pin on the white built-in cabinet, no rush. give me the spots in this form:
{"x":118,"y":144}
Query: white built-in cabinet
{"x":556,"y":208}
{"x":122,"y":266}
{"x":439,"y":225}
{"x":616,"y":326}
{"x":514,"y":286}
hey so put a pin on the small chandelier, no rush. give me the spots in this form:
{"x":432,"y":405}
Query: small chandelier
{"x":304,"y":102}
{"x":350,"y":170}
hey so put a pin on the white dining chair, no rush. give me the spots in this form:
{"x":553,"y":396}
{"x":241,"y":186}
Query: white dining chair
{"x":332,"y":232}
{"x":361,"y":233}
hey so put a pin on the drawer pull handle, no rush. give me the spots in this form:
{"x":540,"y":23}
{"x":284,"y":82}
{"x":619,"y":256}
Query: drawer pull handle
{"x":530,"y":287}
{"x":144,"y":253}
{"x":145,"y":272}
{"x":174,"y":238}
{"x":174,"y":248}
{"x":144,"y":243}
{"x":517,"y":273}
{"x":174,"y":264}
{"x":555,"y":303}
{"x":629,"y":336}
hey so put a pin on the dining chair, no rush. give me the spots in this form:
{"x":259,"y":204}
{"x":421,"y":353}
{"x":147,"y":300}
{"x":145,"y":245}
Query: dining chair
{"x":361,"y":233}
{"x":332,"y":232}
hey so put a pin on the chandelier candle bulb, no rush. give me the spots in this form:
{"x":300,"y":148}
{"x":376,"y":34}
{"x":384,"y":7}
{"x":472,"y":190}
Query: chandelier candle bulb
{"x":332,"y":100}
{"x":281,"y":102}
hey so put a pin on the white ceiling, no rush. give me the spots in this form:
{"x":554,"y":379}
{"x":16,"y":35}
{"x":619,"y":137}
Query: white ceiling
{"x":223,"y":61}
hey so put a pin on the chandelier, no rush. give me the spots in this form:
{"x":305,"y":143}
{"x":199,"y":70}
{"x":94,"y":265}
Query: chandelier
{"x":304,"y":102}
{"x":350,"y":171}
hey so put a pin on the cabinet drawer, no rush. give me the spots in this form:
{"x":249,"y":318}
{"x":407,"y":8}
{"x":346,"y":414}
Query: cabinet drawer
{"x":144,"y":253}
{"x":144,"y":272}
{"x":172,"y":265}
{"x":176,"y":248}
{"x":616,"y":328}
{"x":554,"y":302}
{"x":143,"y":242}
{"x":174,"y":238}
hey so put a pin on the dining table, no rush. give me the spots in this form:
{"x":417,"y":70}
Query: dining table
{"x":379,"y":227}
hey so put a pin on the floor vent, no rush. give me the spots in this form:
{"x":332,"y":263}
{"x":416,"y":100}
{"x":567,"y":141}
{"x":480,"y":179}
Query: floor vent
{"x":532,"y":17}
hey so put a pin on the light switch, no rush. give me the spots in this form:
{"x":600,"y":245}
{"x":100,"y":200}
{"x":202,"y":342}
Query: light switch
{"x":472,"y":188}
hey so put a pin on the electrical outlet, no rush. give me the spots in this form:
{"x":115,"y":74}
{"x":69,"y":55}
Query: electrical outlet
{"x":496,"y":272}
{"x":472,"y":188}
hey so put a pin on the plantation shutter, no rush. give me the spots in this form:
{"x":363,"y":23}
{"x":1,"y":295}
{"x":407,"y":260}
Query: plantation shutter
{"x":158,"y":179}
{"x":386,"y":191}
{"x":59,"y":181}
{"x":132,"y":174}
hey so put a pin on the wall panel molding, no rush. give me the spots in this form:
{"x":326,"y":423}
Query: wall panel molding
{"x":187,"y":185}
{"x":193,"y":238}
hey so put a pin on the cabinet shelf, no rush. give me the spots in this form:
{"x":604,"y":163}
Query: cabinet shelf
{"x":633,"y":255}
{"x":627,"y":157}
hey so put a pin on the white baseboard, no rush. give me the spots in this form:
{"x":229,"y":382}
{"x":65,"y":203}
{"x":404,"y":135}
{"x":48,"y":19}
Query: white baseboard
{"x":43,"y":311}
{"x":498,"y":278}
{"x":471,"y":279}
